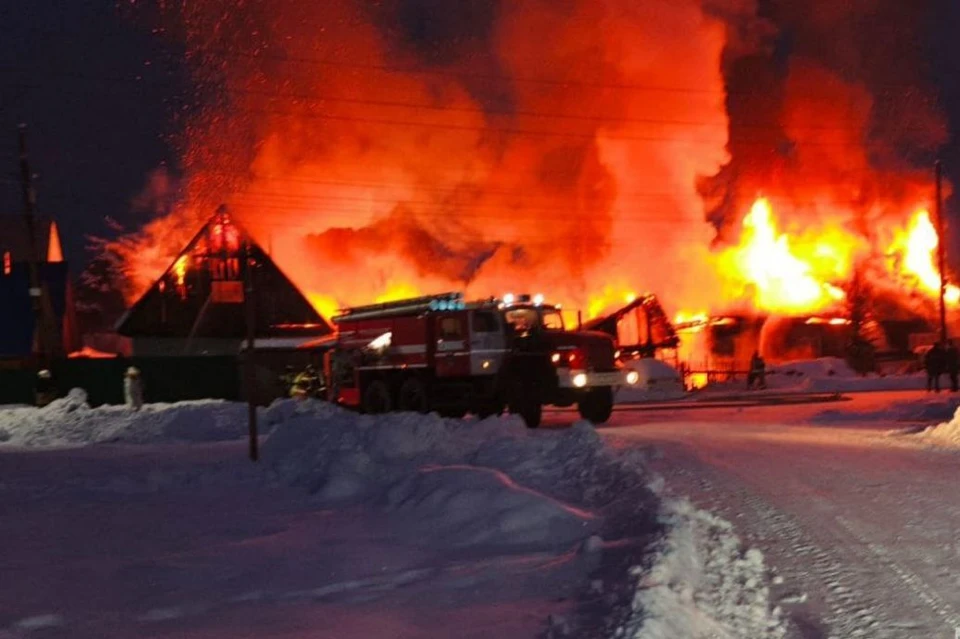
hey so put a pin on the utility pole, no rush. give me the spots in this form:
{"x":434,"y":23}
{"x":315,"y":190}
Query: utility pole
{"x":44,"y":325}
{"x":941,"y":258}
{"x":250,"y":373}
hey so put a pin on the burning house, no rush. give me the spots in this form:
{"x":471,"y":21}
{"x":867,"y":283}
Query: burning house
{"x":20,"y":327}
{"x":198,"y":306}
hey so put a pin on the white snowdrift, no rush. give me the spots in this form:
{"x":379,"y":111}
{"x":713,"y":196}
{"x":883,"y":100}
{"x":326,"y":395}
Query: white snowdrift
{"x":702,"y":585}
{"x":658,"y":382}
{"x":497,"y":483}
{"x":946,"y":434}
{"x":493,"y":482}
{"x":69,"y":421}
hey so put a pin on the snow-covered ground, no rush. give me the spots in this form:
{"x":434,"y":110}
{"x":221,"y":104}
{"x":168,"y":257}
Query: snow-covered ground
{"x":154,"y":524}
{"x":853,"y":503}
{"x":824,"y":375}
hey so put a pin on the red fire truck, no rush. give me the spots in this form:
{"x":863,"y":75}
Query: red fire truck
{"x":441,"y":353}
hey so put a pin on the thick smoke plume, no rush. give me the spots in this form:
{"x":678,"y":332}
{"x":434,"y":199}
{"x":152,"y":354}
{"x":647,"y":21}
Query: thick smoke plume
{"x":582,"y":148}
{"x":419,"y":144}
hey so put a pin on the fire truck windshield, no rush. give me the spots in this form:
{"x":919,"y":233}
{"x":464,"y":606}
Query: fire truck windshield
{"x":527,"y":318}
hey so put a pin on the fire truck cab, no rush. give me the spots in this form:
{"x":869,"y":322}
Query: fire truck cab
{"x":444,"y":354}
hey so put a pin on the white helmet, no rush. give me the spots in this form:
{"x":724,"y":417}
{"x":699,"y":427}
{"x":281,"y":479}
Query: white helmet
{"x":44,"y":374}
{"x":133,"y":371}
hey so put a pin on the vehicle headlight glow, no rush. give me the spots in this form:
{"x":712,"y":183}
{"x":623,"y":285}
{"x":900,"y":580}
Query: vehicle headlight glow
{"x":633,"y":377}
{"x":555,"y":358}
{"x":580,"y":380}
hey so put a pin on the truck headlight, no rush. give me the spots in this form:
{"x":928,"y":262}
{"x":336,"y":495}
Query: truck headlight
{"x":580,"y":380}
{"x":633,"y":377}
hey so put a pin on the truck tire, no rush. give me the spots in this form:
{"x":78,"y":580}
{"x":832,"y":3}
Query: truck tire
{"x":596,"y":405}
{"x":530,"y":411}
{"x":376,"y":399}
{"x":492,"y":408}
{"x":413,"y":396}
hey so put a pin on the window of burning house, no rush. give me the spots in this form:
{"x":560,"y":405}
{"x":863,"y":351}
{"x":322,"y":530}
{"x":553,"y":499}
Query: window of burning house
{"x":7,"y":263}
{"x":223,"y":251}
{"x":632,"y":328}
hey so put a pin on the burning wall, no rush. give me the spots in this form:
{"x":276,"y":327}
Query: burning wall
{"x":586,"y":148}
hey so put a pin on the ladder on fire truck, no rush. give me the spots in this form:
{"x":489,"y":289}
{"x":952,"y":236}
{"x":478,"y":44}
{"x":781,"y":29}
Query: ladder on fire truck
{"x":440,"y":302}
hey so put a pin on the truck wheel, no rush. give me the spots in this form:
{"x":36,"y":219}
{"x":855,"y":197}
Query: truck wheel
{"x":376,"y":399}
{"x":492,"y":408}
{"x":531,"y":412}
{"x":596,"y":405}
{"x":413,"y":396}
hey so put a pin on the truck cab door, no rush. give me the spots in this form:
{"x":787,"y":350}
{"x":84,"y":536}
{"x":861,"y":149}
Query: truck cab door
{"x":488,"y":343}
{"x":452,"y":353}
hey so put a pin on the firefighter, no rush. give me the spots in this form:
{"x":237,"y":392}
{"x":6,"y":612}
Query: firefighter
{"x":133,"y":388}
{"x":951,"y":364}
{"x":758,"y":372}
{"x":933,"y":363}
{"x":305,"y":384}
{"x":45,"y":389}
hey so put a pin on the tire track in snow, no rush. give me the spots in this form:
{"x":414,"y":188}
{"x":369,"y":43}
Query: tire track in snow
{"x":811,"y":564}
{"x":909,"y":579}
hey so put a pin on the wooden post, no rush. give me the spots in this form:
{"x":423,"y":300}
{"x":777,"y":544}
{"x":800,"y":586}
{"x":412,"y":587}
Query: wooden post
{"x":249,"y":364}
{"x":941,"y":256}
{"x":48,"y":342}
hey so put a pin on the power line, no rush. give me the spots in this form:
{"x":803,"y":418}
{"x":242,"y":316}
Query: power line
{"x":142,"y":81}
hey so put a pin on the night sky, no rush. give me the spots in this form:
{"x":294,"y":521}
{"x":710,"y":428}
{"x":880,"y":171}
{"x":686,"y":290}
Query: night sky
{"x":70,"y":70}
{"x":100,"y":94}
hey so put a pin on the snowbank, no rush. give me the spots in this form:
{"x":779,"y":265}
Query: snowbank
{"x":496,"y":483}
{"x":944,"y":434}
{"x":492,"y":481}
{"x":69,"y":421}
{"x":658,"y":382}
{"x":702,"y":584}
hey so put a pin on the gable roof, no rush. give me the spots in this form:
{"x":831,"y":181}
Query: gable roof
{"x":201,"y":294}
{"x":660,"y":332}
{"x":15,"y":239}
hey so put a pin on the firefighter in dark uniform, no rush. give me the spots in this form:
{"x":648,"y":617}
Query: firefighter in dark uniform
{"x":951,"y":363}
{"x":758,"y":372}
{"x":933,"y":363}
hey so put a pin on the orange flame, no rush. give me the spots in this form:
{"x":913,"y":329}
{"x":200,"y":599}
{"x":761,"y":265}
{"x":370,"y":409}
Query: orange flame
{"x":918,"y":245}
{"x":779,"y":274}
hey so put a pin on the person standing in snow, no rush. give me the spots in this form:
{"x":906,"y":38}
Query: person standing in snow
{"x":758,"y":372}
{"x":951,"y":363}
{"x":933,"y":363}
{"x":133,"y":388}
{"x":45,"y":390}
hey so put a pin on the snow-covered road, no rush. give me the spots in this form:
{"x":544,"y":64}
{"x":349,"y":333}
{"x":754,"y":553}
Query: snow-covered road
{"x":861,"y":525}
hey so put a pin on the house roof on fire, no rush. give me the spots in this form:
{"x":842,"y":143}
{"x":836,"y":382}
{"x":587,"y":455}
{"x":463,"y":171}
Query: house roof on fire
{"x":201,"y":295}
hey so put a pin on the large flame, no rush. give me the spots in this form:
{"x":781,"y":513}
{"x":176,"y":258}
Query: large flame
{"x":918,"y":246}
{"x":775,"y":273}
